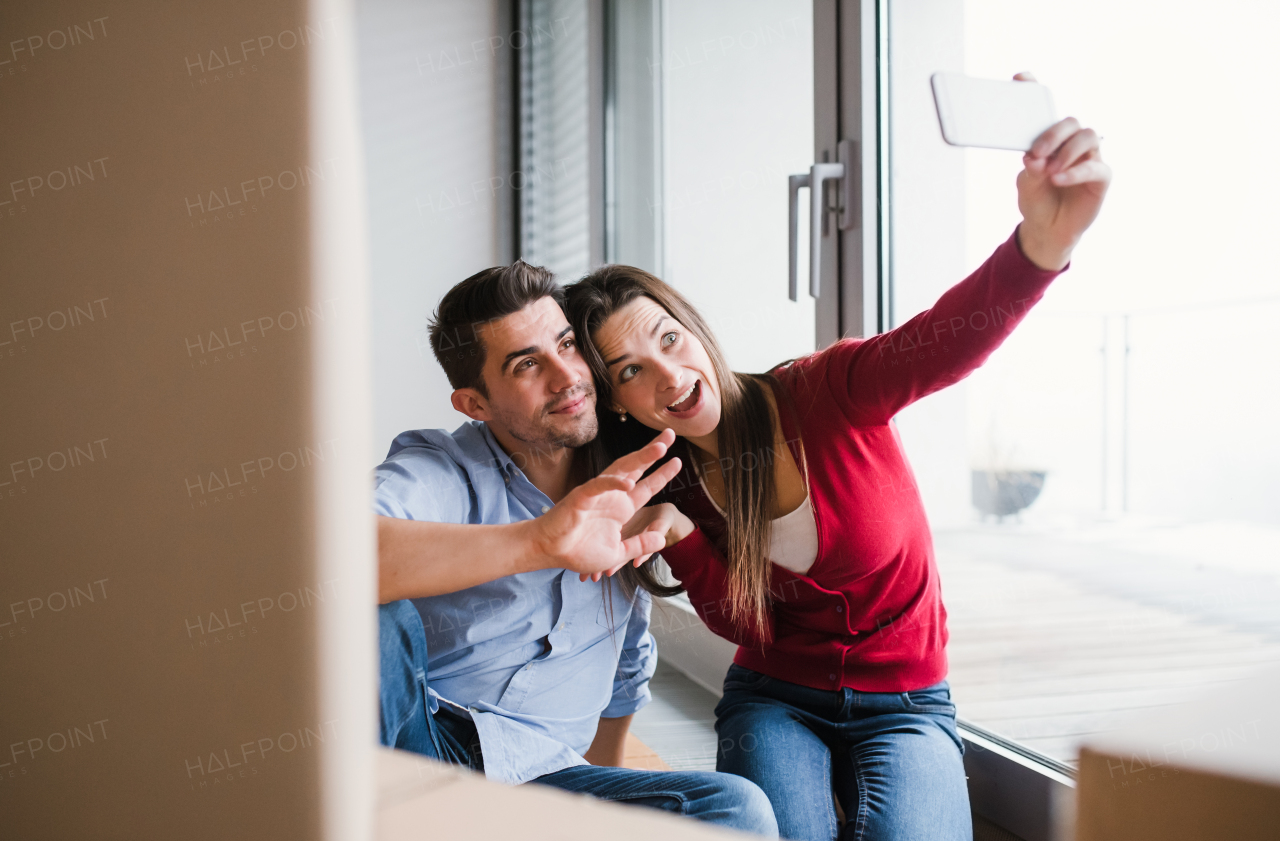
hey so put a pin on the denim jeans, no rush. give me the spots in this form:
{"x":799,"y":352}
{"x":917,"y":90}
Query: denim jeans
{"x":721,"y":799}
{"x":893,"y":759}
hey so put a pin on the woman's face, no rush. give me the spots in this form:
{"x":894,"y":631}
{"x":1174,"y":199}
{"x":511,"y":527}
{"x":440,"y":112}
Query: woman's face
{"x":660,"y":373}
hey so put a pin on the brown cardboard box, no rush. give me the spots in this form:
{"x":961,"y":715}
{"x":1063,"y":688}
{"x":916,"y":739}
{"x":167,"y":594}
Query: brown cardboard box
{"x":187,"y":624}
{"x":1204,"y":770}
{"x":419,"y":798}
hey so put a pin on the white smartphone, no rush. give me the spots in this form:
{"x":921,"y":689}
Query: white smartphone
{"x":989,"y":113}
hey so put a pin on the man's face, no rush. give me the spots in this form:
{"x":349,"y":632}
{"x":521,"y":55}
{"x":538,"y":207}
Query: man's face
{"x":540,"y":389}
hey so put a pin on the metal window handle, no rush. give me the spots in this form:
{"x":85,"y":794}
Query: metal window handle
{"x":818,"y":173}
{"x":794,"y":183}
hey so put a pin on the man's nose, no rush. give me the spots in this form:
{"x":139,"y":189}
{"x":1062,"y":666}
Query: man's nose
{"x":563,"y":375}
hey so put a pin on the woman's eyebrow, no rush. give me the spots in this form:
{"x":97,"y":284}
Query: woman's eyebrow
{"x":652,"y":333}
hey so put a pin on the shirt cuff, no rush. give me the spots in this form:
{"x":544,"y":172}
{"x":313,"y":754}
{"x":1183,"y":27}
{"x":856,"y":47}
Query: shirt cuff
{"x":631,"y":700}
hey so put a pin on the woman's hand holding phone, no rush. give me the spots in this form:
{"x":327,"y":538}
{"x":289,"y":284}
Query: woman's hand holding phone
{"x":1060,"y":190}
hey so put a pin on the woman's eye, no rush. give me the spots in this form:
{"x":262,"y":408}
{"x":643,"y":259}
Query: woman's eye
{"x":628,"y":372}
{"x":669,"y":339}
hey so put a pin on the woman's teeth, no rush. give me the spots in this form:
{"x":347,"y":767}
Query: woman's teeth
{"x":684,"y":397}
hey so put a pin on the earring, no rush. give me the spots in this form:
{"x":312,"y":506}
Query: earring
{"x":622,"y":417}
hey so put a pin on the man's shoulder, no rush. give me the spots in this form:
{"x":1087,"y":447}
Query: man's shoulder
{"x":466,"y":445}
{"x":432,"y":474}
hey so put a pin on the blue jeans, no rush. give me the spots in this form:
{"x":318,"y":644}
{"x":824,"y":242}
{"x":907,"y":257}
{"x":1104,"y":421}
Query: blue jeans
{"x":893,"y":759}
{"x":721,"y":799}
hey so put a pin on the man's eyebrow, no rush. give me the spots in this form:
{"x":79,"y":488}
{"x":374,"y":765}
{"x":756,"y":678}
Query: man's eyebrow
{"x":652,"y":333}
{"x":532,"y":348}
{"x":517,"y":353}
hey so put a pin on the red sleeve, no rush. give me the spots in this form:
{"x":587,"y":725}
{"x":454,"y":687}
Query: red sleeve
{"x":700,"y":568}
{"x":875,"y":378}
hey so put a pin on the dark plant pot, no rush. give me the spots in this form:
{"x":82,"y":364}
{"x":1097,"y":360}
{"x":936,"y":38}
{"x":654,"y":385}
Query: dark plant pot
{"x":999,"y":493}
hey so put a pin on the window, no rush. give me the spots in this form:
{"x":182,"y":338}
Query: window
{"x":1132,"y":413}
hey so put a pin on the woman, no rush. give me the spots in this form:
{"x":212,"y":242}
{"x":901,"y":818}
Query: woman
{"x":796,"y":526}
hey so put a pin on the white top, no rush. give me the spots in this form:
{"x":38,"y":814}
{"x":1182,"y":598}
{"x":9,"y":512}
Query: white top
{"x":793,"y":539}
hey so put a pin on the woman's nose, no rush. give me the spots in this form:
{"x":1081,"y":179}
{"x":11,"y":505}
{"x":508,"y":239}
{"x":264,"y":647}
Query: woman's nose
{"x":668,"y":373}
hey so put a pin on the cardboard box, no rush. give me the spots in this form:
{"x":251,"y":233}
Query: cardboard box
{"x":1208,"y":769}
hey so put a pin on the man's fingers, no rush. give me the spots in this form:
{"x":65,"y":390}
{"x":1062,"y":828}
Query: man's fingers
{"x":605,"y":483}
{"x":1024,"y":76}
{"x":633,"y":465}
{"x":654,"y":482}
{"x":1053,"y":137}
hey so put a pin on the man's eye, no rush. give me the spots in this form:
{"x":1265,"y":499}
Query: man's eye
{"x":568,"y":343}
{"x":528,"y":363}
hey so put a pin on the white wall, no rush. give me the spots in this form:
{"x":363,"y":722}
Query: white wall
{"x":428,"y":74}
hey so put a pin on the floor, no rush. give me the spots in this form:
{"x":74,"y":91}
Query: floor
{"x":679,"y":724}
{"x":1057,"y":633}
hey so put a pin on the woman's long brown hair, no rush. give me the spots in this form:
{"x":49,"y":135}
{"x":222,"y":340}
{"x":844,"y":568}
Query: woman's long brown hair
{"x":745,"y":435}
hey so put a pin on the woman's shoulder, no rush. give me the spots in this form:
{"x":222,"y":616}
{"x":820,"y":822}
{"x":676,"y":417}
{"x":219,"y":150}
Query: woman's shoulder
{"x":802,"y":378}
{"x":801,"y":366}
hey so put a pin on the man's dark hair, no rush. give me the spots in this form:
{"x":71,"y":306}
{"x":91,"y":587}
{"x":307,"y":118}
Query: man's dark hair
{"x":466,"y":310}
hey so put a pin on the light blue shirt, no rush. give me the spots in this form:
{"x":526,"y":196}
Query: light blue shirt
{"x":535,"y":659}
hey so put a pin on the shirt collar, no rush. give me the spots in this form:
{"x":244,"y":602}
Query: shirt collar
{"x":500,"y":457}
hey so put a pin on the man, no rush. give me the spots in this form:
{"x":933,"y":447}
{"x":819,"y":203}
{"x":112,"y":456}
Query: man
{"x":519,"y":656}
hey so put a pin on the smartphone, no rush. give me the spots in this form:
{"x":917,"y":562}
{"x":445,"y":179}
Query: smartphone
{"x":989,"y":113}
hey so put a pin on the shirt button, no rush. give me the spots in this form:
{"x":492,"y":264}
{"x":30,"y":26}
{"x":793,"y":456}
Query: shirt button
{"x":545,"y":509}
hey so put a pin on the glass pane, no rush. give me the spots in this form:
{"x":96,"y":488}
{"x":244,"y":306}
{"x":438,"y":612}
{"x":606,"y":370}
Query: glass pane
{"x":1124,"y":550}
{"x":728,"y":90}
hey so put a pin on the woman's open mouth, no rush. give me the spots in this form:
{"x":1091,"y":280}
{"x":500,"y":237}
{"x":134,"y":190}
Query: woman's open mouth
{"x":689,"y":402}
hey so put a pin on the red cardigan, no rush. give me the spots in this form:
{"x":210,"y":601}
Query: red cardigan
{"x":868,"y":615}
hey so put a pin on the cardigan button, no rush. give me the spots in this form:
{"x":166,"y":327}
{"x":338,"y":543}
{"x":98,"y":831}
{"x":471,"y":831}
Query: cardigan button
{"x":832,"y":677}
{"x":839,"y":608}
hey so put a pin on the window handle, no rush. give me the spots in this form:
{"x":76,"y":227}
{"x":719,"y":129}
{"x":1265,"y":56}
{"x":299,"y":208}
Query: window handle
{"x":818,"y":174}
{"x":794,"y":183}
